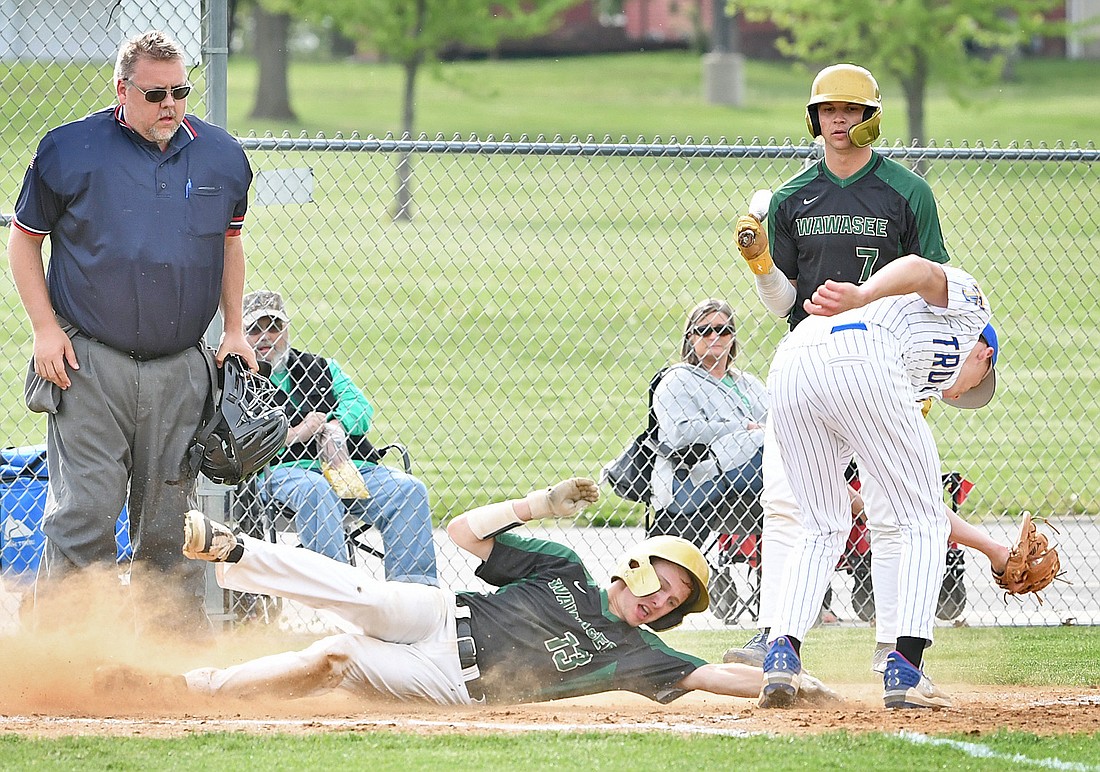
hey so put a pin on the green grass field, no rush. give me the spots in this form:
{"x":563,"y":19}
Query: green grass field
{"x":507,"y":332}
{"x":652,"y":95}
{"x":553,"y":751}
{"x":1025,"y":656}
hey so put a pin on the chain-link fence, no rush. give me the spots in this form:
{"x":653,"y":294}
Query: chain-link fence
{"x":506,"y":330}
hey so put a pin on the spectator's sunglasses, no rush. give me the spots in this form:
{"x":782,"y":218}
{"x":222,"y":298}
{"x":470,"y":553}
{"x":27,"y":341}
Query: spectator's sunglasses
{"x":273,"y":325}
{"x":718,"y":329}
{"x":158,"y":95}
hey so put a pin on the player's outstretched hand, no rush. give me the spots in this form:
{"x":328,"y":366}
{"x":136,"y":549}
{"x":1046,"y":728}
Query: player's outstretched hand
{"x":833,"y":297}
{"x":565,"y":499}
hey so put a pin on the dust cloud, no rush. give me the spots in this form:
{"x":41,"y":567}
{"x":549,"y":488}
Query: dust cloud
{"x":95,"y":645}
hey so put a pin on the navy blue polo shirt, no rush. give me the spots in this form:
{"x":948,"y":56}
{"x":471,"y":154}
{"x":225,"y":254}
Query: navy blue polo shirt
{"x":137,"y":236}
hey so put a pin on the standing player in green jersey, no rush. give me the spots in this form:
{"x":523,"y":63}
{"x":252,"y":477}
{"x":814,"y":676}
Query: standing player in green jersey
{"x":855,"y":210}
{"x":842,"y":218}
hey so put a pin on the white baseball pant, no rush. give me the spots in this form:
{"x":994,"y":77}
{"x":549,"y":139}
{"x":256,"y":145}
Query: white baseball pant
{"x":399,"y":638}
{"x":783,"y":529}
{"x":843,"y":393}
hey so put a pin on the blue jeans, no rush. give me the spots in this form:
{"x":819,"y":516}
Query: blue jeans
{"x":699,"y":508}
{"x":397,"y":507}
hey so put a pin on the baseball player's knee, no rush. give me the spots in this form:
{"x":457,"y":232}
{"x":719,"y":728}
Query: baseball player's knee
{"x":878,"y":529}
{"x":828,"y":541}
{"x":885,"y":542}
{"x":326,"y":662}
{"x":330,"y":670}
{"x":779,"y":504}
{"x":340,"y":645}
{"x":782,"y":526}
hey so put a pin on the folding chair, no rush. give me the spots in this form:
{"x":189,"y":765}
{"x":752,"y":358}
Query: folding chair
{"x":728,"y":534}
{"x":262,"y":516}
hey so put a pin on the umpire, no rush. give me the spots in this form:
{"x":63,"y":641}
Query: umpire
{"x":143,"y":205}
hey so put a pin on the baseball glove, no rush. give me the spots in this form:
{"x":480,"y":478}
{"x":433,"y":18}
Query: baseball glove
{"x":1032,"y":562}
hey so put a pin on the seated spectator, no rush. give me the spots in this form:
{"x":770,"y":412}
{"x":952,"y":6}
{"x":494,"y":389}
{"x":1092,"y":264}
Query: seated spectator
{"x":329,"y":414}
{"x":710,"y":430}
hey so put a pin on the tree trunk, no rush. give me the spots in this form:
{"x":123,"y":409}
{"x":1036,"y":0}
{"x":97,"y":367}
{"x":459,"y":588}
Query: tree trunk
{"x":340,"y":44}
{"x":915,"y":86}
{"x":231,"y":20}
{"x":272,"y":91}
{"x":402,"y":209}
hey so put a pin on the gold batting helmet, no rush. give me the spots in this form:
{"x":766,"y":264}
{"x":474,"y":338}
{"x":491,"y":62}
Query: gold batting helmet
{"x":636,"y":570}
{"x":847,"y":83}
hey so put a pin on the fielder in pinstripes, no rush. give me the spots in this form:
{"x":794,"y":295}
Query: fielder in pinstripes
{"x":842,"y":218}
{"x":847,"y":381}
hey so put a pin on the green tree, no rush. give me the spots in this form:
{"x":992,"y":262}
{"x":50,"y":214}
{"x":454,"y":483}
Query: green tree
{"x":960,"y":43}
{"x":414,"y":33}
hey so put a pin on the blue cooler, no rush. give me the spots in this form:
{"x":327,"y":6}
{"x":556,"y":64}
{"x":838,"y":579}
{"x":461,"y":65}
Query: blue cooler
{"x":23,"y":482}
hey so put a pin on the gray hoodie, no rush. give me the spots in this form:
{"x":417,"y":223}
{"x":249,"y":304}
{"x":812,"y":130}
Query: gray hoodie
{"x":693,"y":407}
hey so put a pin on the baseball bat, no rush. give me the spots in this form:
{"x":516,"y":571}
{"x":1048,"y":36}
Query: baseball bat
{"x":758,"y":207}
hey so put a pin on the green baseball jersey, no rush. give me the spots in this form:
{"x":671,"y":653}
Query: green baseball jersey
{"x":547,"y":632}
{"x":823,"y":227}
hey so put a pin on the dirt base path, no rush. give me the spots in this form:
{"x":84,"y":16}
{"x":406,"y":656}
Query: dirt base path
{"x":978,"y":710}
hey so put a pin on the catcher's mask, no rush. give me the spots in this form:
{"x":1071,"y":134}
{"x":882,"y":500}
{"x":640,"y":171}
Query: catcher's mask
{"x":847,"y":83}
{"x":246,"y":429}
{"x":636,"y":570}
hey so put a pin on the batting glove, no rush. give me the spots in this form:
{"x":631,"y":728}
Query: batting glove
{"x":756,"y":254}
{"x":565,"y":499}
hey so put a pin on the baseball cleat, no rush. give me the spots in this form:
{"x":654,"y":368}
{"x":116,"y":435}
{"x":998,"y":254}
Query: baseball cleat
{"x":129,"y":682}
{"x":203,"y":539}
{"x":782,"y":675}
{"x":752,"y":653}
{"x":878,"y":659}
{"x":907,"y":687}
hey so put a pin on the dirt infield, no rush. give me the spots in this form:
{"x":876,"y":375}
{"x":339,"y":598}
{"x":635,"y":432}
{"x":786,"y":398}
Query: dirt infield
{"x":49,"y":688}
{"x":979,"y":710}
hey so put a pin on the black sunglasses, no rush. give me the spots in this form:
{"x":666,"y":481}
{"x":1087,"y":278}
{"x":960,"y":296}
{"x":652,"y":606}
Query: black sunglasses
{"x":158,"y":95}
{"x":274,"y":325}
{"x":717,"y":329}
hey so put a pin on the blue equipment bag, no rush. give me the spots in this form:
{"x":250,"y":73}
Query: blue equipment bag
{"x":24,"y":479}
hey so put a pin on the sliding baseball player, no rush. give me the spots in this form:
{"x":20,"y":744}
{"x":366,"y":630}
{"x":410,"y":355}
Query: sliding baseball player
{"x":549,"y":631}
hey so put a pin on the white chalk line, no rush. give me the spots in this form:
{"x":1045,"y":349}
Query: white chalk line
{"x":985,"y":752}
{"x":1084,"y":699}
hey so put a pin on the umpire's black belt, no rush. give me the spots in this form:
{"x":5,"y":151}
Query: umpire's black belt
{"x":467,"y":652}
{"x":72,"y":330}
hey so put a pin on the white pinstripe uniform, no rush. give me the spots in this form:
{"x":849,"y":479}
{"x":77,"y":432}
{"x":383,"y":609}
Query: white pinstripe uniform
{"x":850,"y":384}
